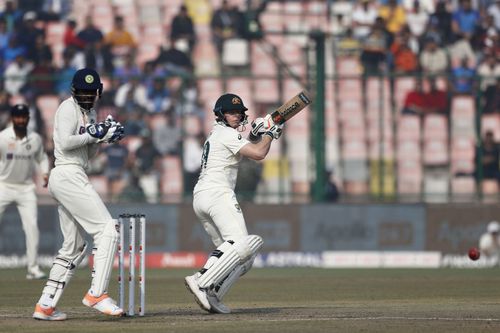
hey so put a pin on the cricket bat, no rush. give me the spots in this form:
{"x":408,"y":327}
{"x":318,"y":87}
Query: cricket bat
{"x":293,"y":106}
{"x":286,"y":111}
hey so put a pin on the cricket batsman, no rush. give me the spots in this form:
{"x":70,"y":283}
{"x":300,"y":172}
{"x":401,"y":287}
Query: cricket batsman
{"x":20,"y":152}
{"x":77,"y":136}
{"x":215,"y":204}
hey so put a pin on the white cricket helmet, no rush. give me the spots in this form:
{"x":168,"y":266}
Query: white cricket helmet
{"x":493,"y":226}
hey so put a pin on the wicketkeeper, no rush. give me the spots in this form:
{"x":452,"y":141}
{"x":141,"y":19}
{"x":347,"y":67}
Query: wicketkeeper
{"x":77,"y":136}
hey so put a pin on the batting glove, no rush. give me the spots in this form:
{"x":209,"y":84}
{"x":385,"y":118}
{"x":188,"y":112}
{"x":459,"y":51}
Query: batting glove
{"x":275,"y":131}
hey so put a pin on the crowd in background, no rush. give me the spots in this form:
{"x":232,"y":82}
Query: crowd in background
{"x":458,"y":39}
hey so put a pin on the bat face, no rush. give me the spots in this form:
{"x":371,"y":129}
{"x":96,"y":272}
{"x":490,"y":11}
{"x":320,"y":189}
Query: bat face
{"x":291,"y":107}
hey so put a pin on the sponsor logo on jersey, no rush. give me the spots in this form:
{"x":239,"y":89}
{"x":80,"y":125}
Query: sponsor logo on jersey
{"x":239,"y":136}
{"x":28,"y":147}
{"x":10,"y":156}
{"x":81,"y":130}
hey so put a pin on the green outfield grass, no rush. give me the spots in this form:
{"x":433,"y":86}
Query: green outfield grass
{"x":281,"y":300}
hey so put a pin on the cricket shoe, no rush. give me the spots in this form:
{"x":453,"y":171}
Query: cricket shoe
{"x":48,"y":314}
{"x":35,"y":273}
{"x":103,"y":303}
{"x":200,"y":295}
{"x":216,"y":306}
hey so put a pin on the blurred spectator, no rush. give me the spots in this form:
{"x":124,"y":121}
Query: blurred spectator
{"x":182,"y":29}
{"x":492,"y":98}
{"x":224,"y":24}
{"x":363,"y":18}
{"x":405,"y":60}
{"x":191,"y":152}
{"x":489,"y":242}
{"x":37,"y":122}
{"x":4,"y":108}
{"x":90,"y":34}
{"x":442,"y":19}
{"x":42,"y":77}
{"x":127,"y":70}
{"x":174,"y":61}
{"x":11,"y":15}
{"x":494,"y":11}
{"x":99,"y":57}
{"x":64,"y":76}
{"x":465,"y":20}
{"x":28,"y":34}
{"x":70,"y":37}
{"x":159,"y":99}
{"x":483,"y":31}
{"x":16,"y":75}
{"x":148,"y":167}
{"x":41,"y":51}
{"x":415,"y":100}
{"x":135,"y":123}
{"x":339,"y":24}
{"x":463,"y":78}
{"x":77,"y":58}
{"x":374,"y":48}
{"x":488,"y":155}
{"x":132,"y":193}
{"x":393,"y":15}
{"x":116,"y":166}
{"x":12,"y":51}
{"x":489,"y":72}
{"x":436,"y":100}
{"x":189,"y":103}
{"x":417,"y":19}
{"x":332,"y":192}
{"x":56,"y":10}
{"x":433,"y":59}
{"x":461,"y":49}
{"x":167,"y":137}
{"x":131,"y":96}
{"x":348,"y":45}
{"x":119,"y":39}
{"x":427,"y":6}
{"x":249,"y":176}
{"x":4,"y":35}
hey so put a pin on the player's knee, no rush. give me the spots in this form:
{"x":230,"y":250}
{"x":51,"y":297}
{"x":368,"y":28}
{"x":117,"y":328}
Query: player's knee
{"x":247,"y":246}
{"x":110,"y":230}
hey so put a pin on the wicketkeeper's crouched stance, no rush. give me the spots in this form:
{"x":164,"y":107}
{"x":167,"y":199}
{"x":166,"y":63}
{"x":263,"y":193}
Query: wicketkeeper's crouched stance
{"x":215,"y":203}
{"x":77,"y":136}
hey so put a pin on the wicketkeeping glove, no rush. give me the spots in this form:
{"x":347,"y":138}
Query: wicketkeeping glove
{"x":97,"y":131}
{"x":275,"y":131}
{"x":117,"y":132}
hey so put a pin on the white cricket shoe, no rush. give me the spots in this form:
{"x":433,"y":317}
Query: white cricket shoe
{"x":103,"y":303}
{"x":200,"y":296}
{"x":48,"y":314}
{"x":35,"y":273}
{"x":216,"y":306}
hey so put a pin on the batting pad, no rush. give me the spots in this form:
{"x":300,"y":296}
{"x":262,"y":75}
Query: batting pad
{"x":248,"y":246}
{"x":60,"y":274}
{"x":227,"y":260}
{"x":103,"y":259}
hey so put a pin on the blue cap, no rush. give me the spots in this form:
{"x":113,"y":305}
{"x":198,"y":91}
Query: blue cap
{"x":19,"y":110}
{"x":86,"y":79}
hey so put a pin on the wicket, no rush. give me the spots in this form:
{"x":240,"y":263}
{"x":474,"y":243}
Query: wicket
{"x":132,"y":218}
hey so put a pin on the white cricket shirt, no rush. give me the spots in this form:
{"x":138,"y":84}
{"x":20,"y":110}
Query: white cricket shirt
{"x":220,"y":158}
{"x":19,"y":157}
{"x":72,"y":144}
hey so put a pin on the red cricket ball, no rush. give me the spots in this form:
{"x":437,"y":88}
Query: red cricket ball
{"x":474,"y":253}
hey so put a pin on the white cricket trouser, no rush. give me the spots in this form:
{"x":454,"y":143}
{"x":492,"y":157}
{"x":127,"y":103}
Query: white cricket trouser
{"x":25,"y":199}
{"x":80,"y":208}
{"x":220,"y":214}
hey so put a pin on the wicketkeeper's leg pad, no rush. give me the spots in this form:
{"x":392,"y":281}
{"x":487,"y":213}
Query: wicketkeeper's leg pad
{"x":60,"y":274}
{"x":103,"y":258}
